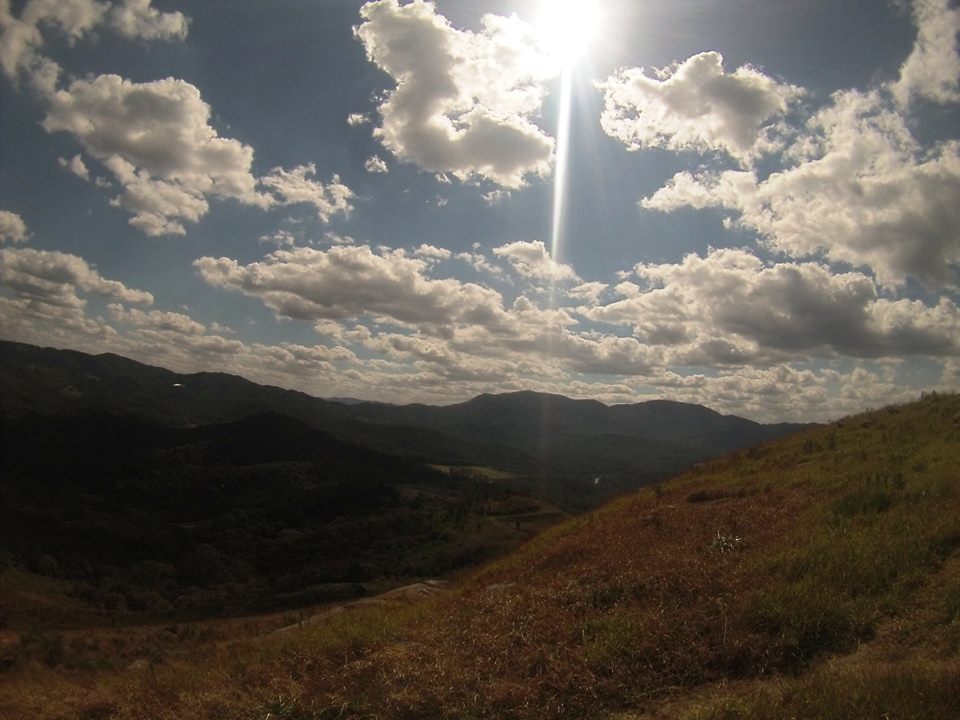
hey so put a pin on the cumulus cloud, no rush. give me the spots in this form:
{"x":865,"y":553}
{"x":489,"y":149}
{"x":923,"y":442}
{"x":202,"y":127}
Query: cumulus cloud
{"x":731,"y":308}
{"x":21,"y":40}
{"x":12,"y":227}
{"x":464,"y":101}
{"x":157,"y":140}
{"x":433,"y":252}
{"x":159,"y":207}
{"x":932,"y":71}
{"x":44,"y":299}
{"x":695,"y":105}
{"x":479,"y":262}
{"x":864,"y":193}
{"x":280,"y":238}
{"x":76,"y":165}
{"x":532,"y":260}
{"x":496,"y":197}
{"x":438,"y":339}
{"x":788,"y":392}
{"x":155,"y":137}
{"x":345,"y":282}
{"x":588,"y":292}
{"x":376,"y":165}
{"x":292,"y":187}
{"x":459,"y":329}
{"x":183,"y":343}
{"x":856,"y":186}
{"x":137,"y":19}
{"x":354,"y":119}
{"x":156,"y":319}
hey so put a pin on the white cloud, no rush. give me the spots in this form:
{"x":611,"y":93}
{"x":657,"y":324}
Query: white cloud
{"x":21,"y":41}
{"x":161,"y":127}
{"x":950,"y":378}
{"x":12,"y":227}
{"x":695,"y":105}
{"x":463,"y":101}
{"x":137,"y":19}
{"x":338,"y":239}
{"x":158,"y":206}
{"x":354,"y":119}
{"x":76,"y":166}
{"x":292,"y":187}
{"x":864,"y":193}
{"x":156,"y":139}
{"x":933,"y":69}
{"x":433,"y":252}
{"x":496,"y":197}
{"x":156,"y":320}
{"x":344,"y":282}
{"x":445,"y":328}
{"x":280,"y":238}
{"x":456,"y":344}
{"x":532,"y":260}
{"x":787,"y":392}
{"x":47,"y":283}
{"x":731,"y":308}
{"x":376,"y":165}
{"x":479,"y":263}
{"x":588,"y":292}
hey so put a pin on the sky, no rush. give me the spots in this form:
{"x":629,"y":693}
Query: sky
{"x":749,"y":204}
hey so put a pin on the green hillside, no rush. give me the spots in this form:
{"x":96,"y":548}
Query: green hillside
{"x":815,"y":577}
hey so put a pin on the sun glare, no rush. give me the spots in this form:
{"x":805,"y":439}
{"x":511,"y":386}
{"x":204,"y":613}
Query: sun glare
{"x":567,"y":28}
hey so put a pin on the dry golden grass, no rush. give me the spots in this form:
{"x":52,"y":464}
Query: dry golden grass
{"x":807,"y":578}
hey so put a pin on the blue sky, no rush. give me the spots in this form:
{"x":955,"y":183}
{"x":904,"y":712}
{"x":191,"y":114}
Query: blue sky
{"x":759,"y":208}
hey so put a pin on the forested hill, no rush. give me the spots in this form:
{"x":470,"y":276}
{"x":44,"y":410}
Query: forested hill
{"x":524,"y":433}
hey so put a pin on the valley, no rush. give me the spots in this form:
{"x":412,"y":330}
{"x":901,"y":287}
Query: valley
{"x":162,"y":557}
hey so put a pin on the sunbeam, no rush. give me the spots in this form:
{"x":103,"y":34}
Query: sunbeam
{"x":567,"y":29}
{"x":560,"y":168}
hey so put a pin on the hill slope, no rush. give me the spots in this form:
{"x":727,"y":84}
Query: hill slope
{"x":813,"y":577}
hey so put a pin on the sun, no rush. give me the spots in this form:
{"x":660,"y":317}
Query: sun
{"x":567,"y":28}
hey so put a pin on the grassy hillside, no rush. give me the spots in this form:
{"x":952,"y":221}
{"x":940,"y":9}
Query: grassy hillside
{"x":815,"y":577}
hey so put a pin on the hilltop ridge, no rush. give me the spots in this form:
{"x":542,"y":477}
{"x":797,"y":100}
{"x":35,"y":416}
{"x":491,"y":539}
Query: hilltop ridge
{"x":561,"y":444}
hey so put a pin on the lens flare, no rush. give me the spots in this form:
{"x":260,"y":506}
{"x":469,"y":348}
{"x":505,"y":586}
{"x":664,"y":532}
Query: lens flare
{"x":560,"y":168}
{"x":567,"y":28}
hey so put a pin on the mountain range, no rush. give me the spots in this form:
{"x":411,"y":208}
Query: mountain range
{"x":525,"y":433}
